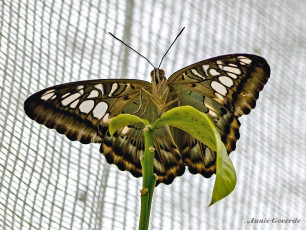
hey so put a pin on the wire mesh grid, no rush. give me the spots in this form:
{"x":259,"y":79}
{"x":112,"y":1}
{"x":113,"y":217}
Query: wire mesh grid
{"x":49,"y":182}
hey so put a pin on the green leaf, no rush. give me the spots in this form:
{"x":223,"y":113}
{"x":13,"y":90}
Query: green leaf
{"x":192,"y":121}
{"x":200,"y":126}
{"x":225,"y":173}
{"x":123,"y":120}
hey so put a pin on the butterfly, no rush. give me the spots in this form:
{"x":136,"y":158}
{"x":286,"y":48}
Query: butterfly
{"x":224,"y":87}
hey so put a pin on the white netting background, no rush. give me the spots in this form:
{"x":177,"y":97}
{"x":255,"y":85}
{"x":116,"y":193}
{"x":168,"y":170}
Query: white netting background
{"x":49,"y":182}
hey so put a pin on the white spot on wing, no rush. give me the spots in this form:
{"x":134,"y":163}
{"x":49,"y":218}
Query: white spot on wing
{"x":220,"y":64}
{"x":212,"y":113}
{"x":105,"y":118}
{"x":65,"y":95}
{"x":86,"y":106}
{"x":93,"y":93}
{"x":79,"y":87}
{"x":114,"y":88}
{"x":219,"y":96}
{"x":232,"y":69}
{"x":218,"y":87}
{"x":47,"y":95}
{"x":125,"y":130}
{"x":100,"y":87}
{"x":244,"y":60}
{"x":100,"y":110}
{"x":232,"y":75}
{"x":196,"y":73}
{"x":233,"y":65}
{"x":49,"y":91}
{"x":70,"y":99}
{"x":205,"y":68}
{"x":226,"y":81}
{"x":214,"y":72}
{"x":74,"y":104}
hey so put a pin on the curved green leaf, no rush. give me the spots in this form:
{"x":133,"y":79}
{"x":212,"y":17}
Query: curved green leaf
{"x":192,"y":121}
{"x":225,"y":173}
{"x":123,"y":120}
{"x":200,"y":126}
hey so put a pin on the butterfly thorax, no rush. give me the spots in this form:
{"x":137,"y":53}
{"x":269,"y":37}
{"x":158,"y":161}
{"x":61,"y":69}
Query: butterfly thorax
{"x":160,"y":95}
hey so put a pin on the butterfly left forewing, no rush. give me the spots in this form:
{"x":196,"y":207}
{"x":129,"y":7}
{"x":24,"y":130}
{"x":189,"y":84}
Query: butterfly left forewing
{"x":225,"y":88}
{"x":81,"y":110}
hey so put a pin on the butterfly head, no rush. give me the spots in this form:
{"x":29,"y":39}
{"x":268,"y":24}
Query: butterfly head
{"x":158,"y":75}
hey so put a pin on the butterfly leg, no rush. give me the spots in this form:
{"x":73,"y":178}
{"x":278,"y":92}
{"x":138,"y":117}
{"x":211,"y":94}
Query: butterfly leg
{"x":145,"y":109}
{"x":152,"y":98}
{"x":140,"y":104}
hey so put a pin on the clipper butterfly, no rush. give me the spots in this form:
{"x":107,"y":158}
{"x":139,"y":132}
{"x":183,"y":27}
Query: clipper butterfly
{"x":224,"y":87}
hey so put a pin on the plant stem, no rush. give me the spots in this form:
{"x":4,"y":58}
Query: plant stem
{"x":149,"y":180}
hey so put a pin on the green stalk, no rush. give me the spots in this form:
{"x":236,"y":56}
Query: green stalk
{"x":149,"y":180}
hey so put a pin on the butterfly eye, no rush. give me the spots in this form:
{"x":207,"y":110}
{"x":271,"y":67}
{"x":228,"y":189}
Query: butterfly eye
{"x":162,"y":73}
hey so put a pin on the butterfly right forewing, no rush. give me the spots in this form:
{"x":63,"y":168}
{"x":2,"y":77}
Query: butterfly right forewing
{"x":81,"y":110}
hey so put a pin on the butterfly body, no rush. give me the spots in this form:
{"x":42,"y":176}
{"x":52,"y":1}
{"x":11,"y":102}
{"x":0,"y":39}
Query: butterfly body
{"x":223,"y":87}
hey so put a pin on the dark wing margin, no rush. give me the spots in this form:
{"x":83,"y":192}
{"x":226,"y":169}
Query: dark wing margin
{"x":225,"y":88}
{"x":126,"y":147}
{"x":80,"y":110}
{"x":233,"y":80}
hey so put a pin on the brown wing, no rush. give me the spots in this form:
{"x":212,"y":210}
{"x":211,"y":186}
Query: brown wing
{"x":225,"y":88}
{"x":126,"y":147}
{"x":82,"y":111}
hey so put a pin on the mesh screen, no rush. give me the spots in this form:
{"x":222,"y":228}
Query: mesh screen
{"x":49,"y":182}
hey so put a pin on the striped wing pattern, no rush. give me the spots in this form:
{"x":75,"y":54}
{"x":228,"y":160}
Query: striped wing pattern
{"x":126,"y":147}
{"x":82,"y":111}
{"x":224,"y":88}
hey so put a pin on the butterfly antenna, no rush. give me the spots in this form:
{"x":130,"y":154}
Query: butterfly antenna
{"x":171,"y":46}
{"x":132,"y":49}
